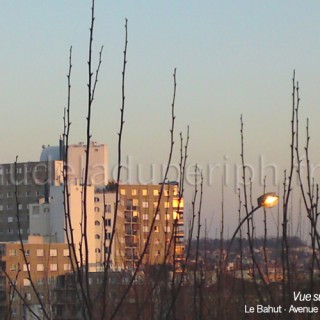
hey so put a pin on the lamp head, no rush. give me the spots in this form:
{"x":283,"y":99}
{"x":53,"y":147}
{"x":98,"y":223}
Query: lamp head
{"x":268,"y":200}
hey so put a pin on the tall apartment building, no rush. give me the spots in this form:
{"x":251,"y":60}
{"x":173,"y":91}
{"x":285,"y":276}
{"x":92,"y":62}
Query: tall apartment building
{"x":154,"y":219}
{"x":25,"y":184}
{"x":45,"y":262}
{"x":22,"y":184}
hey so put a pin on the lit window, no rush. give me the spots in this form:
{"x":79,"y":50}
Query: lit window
{"x":158,"y":216}
{"x":145,"y":216}
{"x":40,"y":253}
{"x":145,"y":229}
{"x":53,"y":252}
{"x":134,"y":192}
{"x":144,"y":204}
{"x":167,"y":228}
{"x":26,"y":267}
{"x":26,"y":282}
{"x":53,"y":267}
{"x":156,"y":192}
{"x":122,"y":192}
{"x":167,"y":204}
{"x":40,"y":267}
{"x":156,"y":229}
{"x":144,"y":192}
{"x":66,"y":252}
{"x":67,"y":267}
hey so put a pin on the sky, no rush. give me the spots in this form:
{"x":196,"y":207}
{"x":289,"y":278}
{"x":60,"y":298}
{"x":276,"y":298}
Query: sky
{"x":233,"y":58}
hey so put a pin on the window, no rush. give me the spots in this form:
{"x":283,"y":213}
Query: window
{"x":9,"y":194}
{"x":155,"y":204}
{"x":156,"y":229}
{"x":97,"y":250}
{"x":12,"y":252}
{"x":167,"y":216}
{"x":1,"y":207}
{"x":26,"y":267}
{"x":145,"y":216}
{"x":155,"y":192}
{"x":9,"y":206}
{"x":10,"y":219}
{"x":158,"y":216}
{"x":108,"y":235}
{"x":40,"y":267}
{"x":134,"y":192}
{"x":40,"y":253}
{"x":26,"y":282}
{"x":122,"y":192}
{"x":53,"y":267}
{"x":53,"y":252}
{"x":1,"y":170}
{"x":66,"y":252}
{"x":19,"y":170}
{"x":14,"y":267}
{"x":96,"y":209}
{"x":107,"y":222}
{"x":28,"y":193}
{"x":145,"y":229}
{"x":38,"y":193}
{"x":96,"y":199}
{"x":144,"y":192}
{"x":135,"y":202}
{"x":144,"y":204}
{"x":67,"y":267}
{"x":167,"y":204}
{"x":107,"y":208}
{"x":27,"y":251}
{"x":167,"y":228}
{"x":20,"y":206}
{"x":40,"y":282}
{"x":97,"y":223}
{"x":97,"y":236}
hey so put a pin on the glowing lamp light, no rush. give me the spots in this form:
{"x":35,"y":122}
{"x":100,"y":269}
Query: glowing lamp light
{"x":268,"y":200}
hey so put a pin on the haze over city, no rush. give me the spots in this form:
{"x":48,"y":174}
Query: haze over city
{"x":232,"y":58}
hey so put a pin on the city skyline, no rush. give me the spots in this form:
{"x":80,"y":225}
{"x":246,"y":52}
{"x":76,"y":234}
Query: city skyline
{"x":231,"y":59}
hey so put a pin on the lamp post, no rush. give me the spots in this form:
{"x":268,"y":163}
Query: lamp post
{"x":267,"y":200}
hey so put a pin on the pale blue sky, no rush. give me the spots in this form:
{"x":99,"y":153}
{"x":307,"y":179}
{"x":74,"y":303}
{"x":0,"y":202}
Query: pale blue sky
{"x":232,"y":58}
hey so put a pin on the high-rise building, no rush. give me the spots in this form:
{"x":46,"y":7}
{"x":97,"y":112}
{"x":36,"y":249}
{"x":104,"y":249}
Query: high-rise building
{"x":153,"y":224}
{"x":22,"y":184}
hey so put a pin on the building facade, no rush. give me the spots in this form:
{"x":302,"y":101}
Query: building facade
{"x":45,"y":262}
{"x":153,"y":229}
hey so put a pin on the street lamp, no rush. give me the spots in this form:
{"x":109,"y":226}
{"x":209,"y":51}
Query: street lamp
{"x":268,"y":200}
